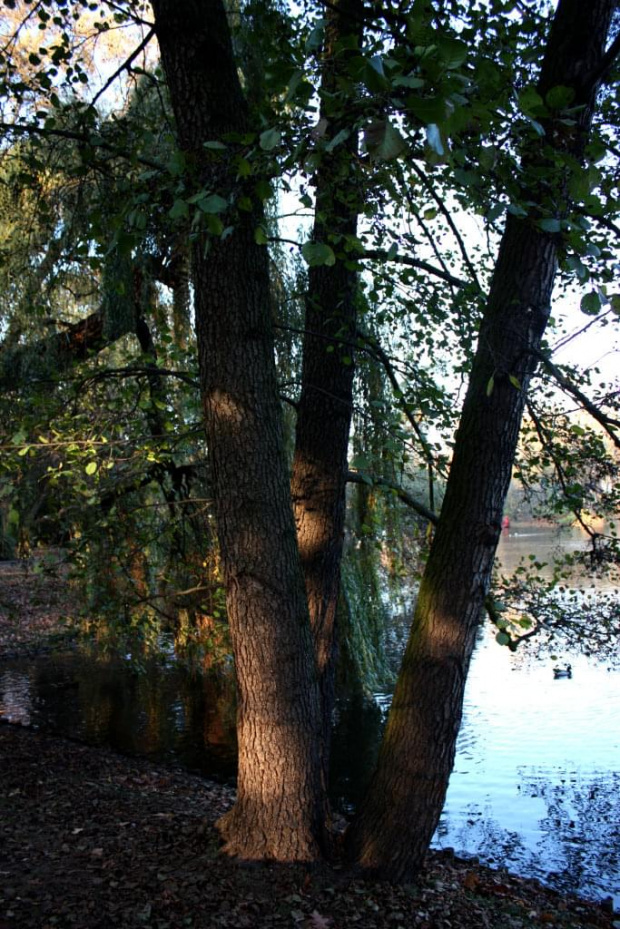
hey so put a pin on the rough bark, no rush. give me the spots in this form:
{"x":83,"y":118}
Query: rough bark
{"x":318,"y":484}
{"x":404,"y":801}
{"x":279,"y":803}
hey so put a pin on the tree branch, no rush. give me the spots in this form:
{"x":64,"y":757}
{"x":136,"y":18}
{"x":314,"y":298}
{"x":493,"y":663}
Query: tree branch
{"x":601,"y":73}
{"x":125,"y":65}
{"x":81,"y":138}
{"x":448,"y":217}
{"x":356,"y":477}
{"x":377,"y":254}
{"x":607,"y":422}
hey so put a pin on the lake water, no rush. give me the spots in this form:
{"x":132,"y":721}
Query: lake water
{"x":536,"y":785}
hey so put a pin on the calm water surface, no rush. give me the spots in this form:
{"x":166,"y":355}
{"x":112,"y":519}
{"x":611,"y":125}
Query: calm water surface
{"x":536,"y":785}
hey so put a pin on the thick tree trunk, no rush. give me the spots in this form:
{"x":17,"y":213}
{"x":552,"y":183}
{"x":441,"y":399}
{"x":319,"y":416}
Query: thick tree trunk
{"x":318,"y":483}
{"x":404,"y":801}
{"x":279,"y":801}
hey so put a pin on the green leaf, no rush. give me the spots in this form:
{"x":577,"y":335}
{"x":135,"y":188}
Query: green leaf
{"x":341,"y":136}
{"x":317,"y":253}
{"x":408,"y":80}
{"x":383,"y":141}
{"x":293,"y":84}
{"x":176,"y":165}
{"x":91,"y":467}
{"x":244,"y":168}
{"x":591,"y":303}
{"x":550,"y":224}
{"x":214,"y":224}
{"x":536,"y":126}
{"x":213,"y":204}
{"x":495,"y":211}
{"x":514,"y":381}
{"x":467,"y":178}
{"x":574,"y":263}
{"x":315,"y":39}
{"x":270,"y":139}
{"x":558,"y":98}
{"x":260,"y":236}
{"x":215,"y":146}
{"x":179,"y":210}
{"x":452,"y":52}
{"x":490,"y":385}
{"x":428,"y":109}
{"x":373,"y":76}
{"x":361,"y":463}
{"x":502,"y":638}
{"x":516,"y":209}
{"x":263,"y":189}
{"x":531,"y":103}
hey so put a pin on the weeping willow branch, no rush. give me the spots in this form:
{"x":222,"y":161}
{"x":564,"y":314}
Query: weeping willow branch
{"x":356,"y":477}
{"x":382,"y":357}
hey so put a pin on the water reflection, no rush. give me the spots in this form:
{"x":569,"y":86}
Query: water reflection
{"x":548,"y":543}
{"x":163,"y":712}
{"x":536,"y":785}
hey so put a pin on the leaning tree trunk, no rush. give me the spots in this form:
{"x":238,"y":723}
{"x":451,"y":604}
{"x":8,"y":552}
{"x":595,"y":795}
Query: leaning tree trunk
{"x":318,"y":484}
{"x":405,"y":799}
{"x":279,"y":800}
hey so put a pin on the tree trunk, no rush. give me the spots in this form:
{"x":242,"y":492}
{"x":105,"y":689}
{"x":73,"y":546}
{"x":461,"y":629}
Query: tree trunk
{"x":279,"y":801}
{"x":318,"y":483}
{"x":405,"y":799}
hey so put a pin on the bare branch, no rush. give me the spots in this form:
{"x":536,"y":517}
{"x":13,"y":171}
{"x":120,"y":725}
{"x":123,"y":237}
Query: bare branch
{"x":378,"y":254}
{"x":602,"y":72}
{"x":609,"y":424}
{"x":448,"y":217}
{"x":125,"y":65}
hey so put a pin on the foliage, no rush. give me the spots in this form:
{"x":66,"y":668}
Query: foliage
{"x":102,"y":452}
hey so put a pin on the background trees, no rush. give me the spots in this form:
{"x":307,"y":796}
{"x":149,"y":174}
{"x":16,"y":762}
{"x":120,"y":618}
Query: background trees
{"x":401,"y":130}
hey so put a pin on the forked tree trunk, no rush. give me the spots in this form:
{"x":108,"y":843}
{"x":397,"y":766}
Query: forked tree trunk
{"x":279,"y":801}
{"x":405,"y":799}
{"x":324,"y":413}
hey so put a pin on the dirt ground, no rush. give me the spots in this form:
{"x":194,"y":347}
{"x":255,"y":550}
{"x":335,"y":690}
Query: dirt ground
{"x":93,"y":840}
